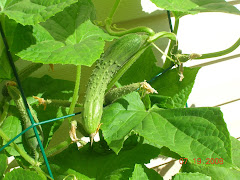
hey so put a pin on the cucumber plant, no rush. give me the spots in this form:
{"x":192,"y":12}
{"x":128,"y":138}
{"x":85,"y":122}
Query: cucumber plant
{"x":134,"y":126}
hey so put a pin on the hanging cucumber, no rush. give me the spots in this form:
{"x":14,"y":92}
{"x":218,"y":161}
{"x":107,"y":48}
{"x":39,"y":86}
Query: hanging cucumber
{"x":29,"y":136}
{"x":116,"y":93}
{"x":113,"y":59}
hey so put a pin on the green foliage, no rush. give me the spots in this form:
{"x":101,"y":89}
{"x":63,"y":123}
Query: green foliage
{"x":12,"y":127}
{"x":181,"y":8}
{"x":5,"y":69}
{"x":169,"y":85}
{"x":3,"y":162}
{"x":219,"y":172}
{"x":120,"y":118}
{"x":143,"y":69}
{"x":22,"y":174}
{"x":73,"y":40}
{"x":45,"y":87}
{"x":18,"y":37}
{"x":87,"y":163}
{"x":189,"y":132}
{"x":139,"y":173}
{"x":32,"y":12}
{"x":136,"y":127}
{"x":190,"y":176}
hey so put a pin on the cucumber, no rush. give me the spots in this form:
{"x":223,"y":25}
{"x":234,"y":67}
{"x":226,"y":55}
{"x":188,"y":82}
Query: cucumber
{"x":29,"y":136}
{"x":113,"y":59}
{"x":116,"y":93}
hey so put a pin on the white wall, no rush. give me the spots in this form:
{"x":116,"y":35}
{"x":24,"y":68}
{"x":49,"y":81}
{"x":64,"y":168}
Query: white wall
{"x":217,"y":83}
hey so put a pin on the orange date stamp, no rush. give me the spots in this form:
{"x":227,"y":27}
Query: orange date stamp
{"x":201,"y":161}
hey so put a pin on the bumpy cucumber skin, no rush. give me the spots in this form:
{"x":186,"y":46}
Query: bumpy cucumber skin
{"x":114,"y":58}
{"x":116,"y":93}
{"x":31,"y":140}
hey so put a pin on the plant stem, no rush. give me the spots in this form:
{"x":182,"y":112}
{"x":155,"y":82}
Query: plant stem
{"x":64,"y":103}
{"x":169,"y":63}
{"x":5,"y":112}
{"x":76,"y":91}
{"x":20,"y":151}
{"x":162,"y":52}
{"x":121,"y":33}
{"x":221,"y":53}
{"x":114,"y":8}
{"x":56,"y":148}
{"x":61,"y":146}
{"x":147,"y":30}
{"x":216,"y":61}
{"x":162,"y":34}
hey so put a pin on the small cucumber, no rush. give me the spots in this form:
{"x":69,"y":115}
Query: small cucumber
{"x":113,"y":59}
{"x":29,"y":136}
{"x":116,"y":93}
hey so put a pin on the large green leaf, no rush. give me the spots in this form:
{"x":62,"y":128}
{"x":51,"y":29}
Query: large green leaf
{"x":47,"y":88}
{"x":120,"y":118}
{"x":190,"y":176}
{"x":143,"y":69}
{"x":12,"y":127}
{"x":168,"y":84}
{"x":18,"y":37}
{"x":219,"y":173}
{"x":32,"y":12}
{"x":192,"y":133}
{"x":87,"y":163}
{"x":195,"y":6}
{"x":22,"y":174}
{"x":68,"y":38}
{"x":3,"y":162}
{"x":5,"y":68}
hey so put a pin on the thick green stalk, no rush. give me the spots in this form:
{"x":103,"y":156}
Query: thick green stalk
{"x":76,"y":91}
{"x":169,"y":63}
